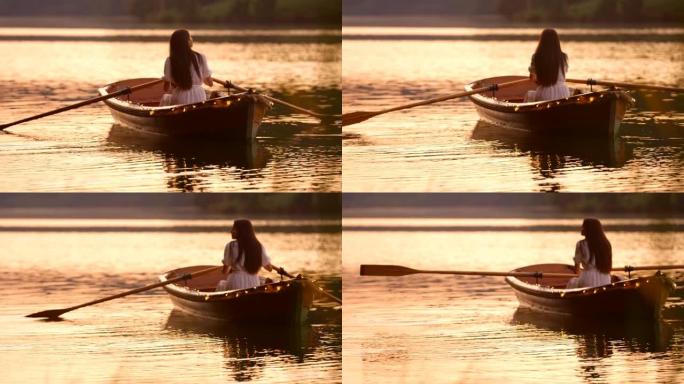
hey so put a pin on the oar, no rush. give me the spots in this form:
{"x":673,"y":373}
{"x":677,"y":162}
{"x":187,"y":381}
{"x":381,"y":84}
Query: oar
{"x":629,"y":268}
{"x":120,"y":92}
{"x":55,"y":313}
{"x":327,"y":294}
{"x":624,"y":85}
{"x":357,"y":117}
{"x":398,"y":270}
{"x":229,"y":84}
{"x":282,"y":271}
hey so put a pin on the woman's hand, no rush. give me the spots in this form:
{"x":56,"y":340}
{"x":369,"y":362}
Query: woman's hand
{"x":209,"y":81}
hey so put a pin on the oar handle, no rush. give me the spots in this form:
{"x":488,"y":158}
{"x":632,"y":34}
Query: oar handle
{"x":624,"y":85}
{"x":186,"y":276}
{"x":120,"y":92}
{"x":229,"y":84}
{"x":283,"y":272}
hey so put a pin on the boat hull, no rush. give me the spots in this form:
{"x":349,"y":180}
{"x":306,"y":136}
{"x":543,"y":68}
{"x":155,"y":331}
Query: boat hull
{"x":628,"y":300}
{"x":596,"y":114}
{"x":286,"y":302}
{"x":233,"y":117}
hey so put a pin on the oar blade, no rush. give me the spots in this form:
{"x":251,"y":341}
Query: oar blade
{"x":356,"y":117}
{"x":385,"y":270}
{"x":51,"y":314}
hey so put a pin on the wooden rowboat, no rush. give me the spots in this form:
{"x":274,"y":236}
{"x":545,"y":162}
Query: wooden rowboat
{"x":283,"y":302}
{"x":639,"y":298}
{"x":596,"y":113}
{"x":231,"y":117}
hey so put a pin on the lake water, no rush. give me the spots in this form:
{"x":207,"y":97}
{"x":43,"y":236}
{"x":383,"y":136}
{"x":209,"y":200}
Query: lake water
{"x":82,"y":150}
{"x":56,"y":263}
{"x":468,"y":329}
{"x":442,"y":147}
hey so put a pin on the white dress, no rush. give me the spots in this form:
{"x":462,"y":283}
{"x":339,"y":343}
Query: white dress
{"x":589,"y":276}
{"x":186,"y":96}
{"x":239,"y":278}
{"x":552,"y":92}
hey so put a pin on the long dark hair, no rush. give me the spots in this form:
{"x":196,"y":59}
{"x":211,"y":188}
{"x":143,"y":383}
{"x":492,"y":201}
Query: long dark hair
{"x":548,"y":58}
{"x":249,"y":247}
{"x":599,"y":246}
{"x":181,"y":56}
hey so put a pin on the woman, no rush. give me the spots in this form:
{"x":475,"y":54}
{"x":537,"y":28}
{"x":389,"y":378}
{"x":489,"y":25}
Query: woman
{"x":184,"y":72}
{"x":243,"y":258}
{"x":594,"y":254}
{"x":548,"y":68}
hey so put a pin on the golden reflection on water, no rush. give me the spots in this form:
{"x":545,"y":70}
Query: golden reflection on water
{"x":433,"y":328}
{"x":440,"y":147}
{"x":81,"y":150}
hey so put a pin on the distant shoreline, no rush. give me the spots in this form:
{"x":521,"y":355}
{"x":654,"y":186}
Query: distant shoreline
{"x":130,"y":22}
{"x":477,"y":21}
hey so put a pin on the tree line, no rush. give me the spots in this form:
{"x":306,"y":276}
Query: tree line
{"x":194,"y":11}
{"x":529,"y":10}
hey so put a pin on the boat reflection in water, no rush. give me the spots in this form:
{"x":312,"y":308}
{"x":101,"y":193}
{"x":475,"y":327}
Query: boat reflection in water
{"x":596,"y":341}
{"x":247,"y":349}
{"x":188,"y":161}
{"x":549,"y":154}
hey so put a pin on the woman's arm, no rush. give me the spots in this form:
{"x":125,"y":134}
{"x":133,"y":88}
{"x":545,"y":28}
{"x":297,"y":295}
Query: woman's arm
{"x":209,"y":81}
{"x":167,"y":86}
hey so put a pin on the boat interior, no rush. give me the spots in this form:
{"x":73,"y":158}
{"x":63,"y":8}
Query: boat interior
{"x":514,"y":93}
{"x":551,"y":282}
{"x":202,"y":283}
{"x":149,"y":96}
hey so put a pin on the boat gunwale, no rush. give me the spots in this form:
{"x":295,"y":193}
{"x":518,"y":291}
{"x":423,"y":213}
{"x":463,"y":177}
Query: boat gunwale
{"x":187,"y":293}
{"x":617,"y":95}
{"x":126,"y":106}
{"x":551,"y":292}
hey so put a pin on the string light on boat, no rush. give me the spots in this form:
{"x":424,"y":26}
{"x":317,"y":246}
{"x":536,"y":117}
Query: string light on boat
{"x":637,"y":284}
{"x":151,"y":113}
{"x":206,"y":298}
{"x":591,"y":99}
{"x":516,"y":109}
